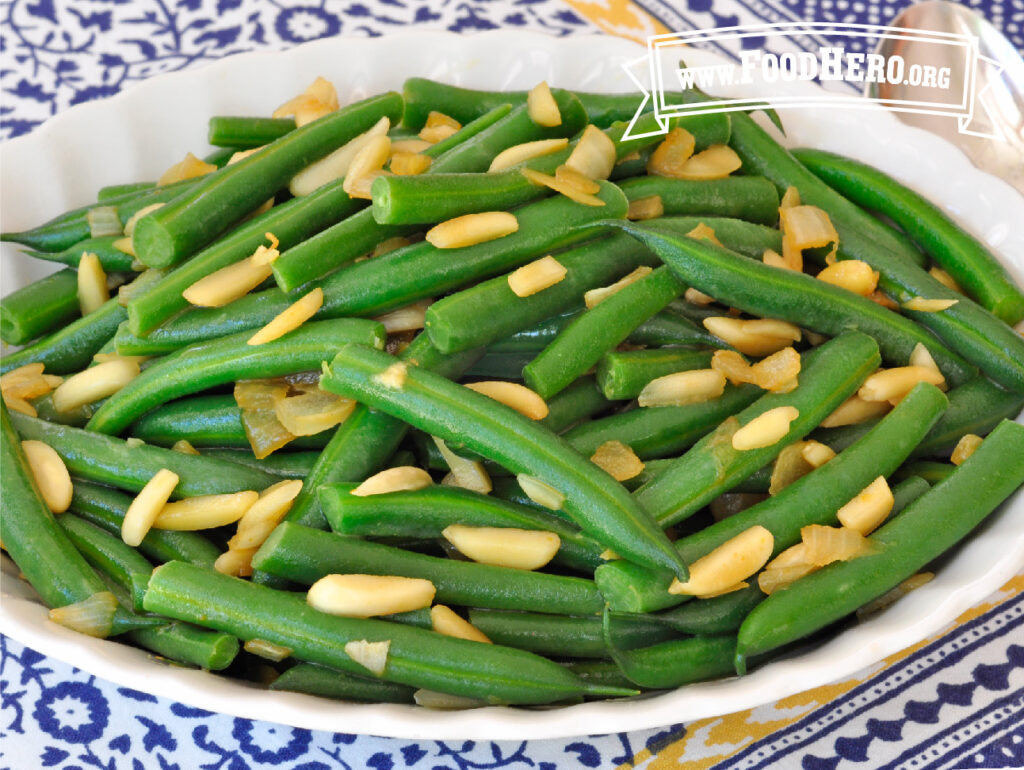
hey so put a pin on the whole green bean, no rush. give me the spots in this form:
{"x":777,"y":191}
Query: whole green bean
{"x":622,"y":374}
{"x":416,"y":657}
{"x":39,"y":307}
{"x":108,"y":554}
{"x":931,"y":525}
{"x":244,"y":133}
{"x":577,"y":402}
{"x":305,"y":555}
{"x":108,"y":460}
{"x":749,"y":198}
{"x":327,"y":682}
{"x":195,"y":218}
{"x":957,"y":252}
{"x":189,"y":644}
{"x":226,"y":360}
{"x":111,"y":258}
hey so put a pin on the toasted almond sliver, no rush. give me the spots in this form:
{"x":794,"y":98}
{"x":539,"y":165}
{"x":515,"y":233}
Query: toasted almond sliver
{"x":367,"y":161}
{"x":854,"y":411}
{"x":542,"y":107}
{"x":570,"y":176}
{"x":146,"y":506}
{"x":681,"y":388}
{"x":964,"y":448}
{"x":618,"y":460}
{"x":669,"y":157}
{"x":865,"y":512}
{"x":291,"y":318}
{"x":394,"y":376}
{"x":732,"y":562}
{"x":27,"y":382}
{"x":406,"y":319}
{"x":945,"y":279}
{"x":406,"y":477}
{"x":816,"y":453}
{"x":445,"y":621}
{"x":471,"y":229}
{"x":540,"y":492}
{"x":243,"y":154}
{"x":408,"y":163}
{"x":758,"y":337}
{"x":319,"y":99}
{"x":93,"y":616}
{"x":852,"y":275}
{"x":227,"y":284}
{"x":337,"y":164}
{"x":365,"y":596}
{"x":778,"y":372}
{"x":236,"y":562}
{"x":268,"y":650}
{"x":825,"y":545}
{"x":716,"y":162}
{"x":468,"y":474}
{"x":373,"y":656}
{"x":536,"y":276}
{"x":183,"y":446}
{"x":594,"y":154}
{"x":922,"y":305}
{"x":526,"y":549}
{"x":92,"y":284}
{"x":204,"y":511}
{"x":520,"y":153}
{"x":766,"y":429}
{"x":514,"y":395}
{"x":595,"y":297}
{"x":570,"y":191}
{"x":409,"y":145}
{"x":650,"y":207}
{"x":189,"y":168}
{"x":266,"y":513}
{"x":698,"y":298}
{"x":438,"y":127}
{"x":20,"y":405}
{"x":94,"y":383}
{"x":893,"y":384}
{"x":129,"y":226}
{"x":50,"y":474}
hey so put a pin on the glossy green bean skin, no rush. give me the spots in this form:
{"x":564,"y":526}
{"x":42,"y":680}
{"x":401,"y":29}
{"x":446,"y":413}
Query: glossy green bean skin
{"x":561,"y":636}
{"x":416,"y":657}
{"x":931,"y":525}
{"x":929,"y":471}
{"x":622,"y":374}
{"x":39,"y":307}
{"x":30,"y":534}
{"x":112,"y":191}
{"x":244,"y":133}
{"x":111,"y":258}
{"x":491,"y":311}
{"x":673,"y":664}
{"x":313,"y":679}
{"x":598,"y":505}
{"x":425,"y":513}
{"x":787,"y":295}
{"x":813,"y":499}
{"x":577,"y":402}
{"x":671,"y":328}
{"x":967,"y":328}
{"x":190,"y":644}
{"x":828,"y":375}
{"x":109,"y":460}
{"x":285,"y":465}
{"x":108,"y":554}
{"x":305,"y":555}
{"x":957,"y":252}
{"x":194,"y":219}
{"x":105,"y":508}
{"x":226,"y":360}
{"x":749,"y":198}
{"x":603,"y":672}
{"x":711,"y":617}
{"x":582,"y":343}
{"x":661,"y":431}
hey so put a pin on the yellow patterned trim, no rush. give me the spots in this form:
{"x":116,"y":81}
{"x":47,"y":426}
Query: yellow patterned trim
{"x":619,"y":17}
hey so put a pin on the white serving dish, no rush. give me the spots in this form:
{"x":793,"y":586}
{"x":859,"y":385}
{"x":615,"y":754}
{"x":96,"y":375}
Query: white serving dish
{"x":137,"y":134}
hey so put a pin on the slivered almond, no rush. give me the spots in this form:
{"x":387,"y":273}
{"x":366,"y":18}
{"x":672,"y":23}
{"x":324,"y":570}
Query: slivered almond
{"x":854,"y":411}
{"x":233,"y":281}
{"x":50,"y":474}
{"x":595,"y":297}
{"x":514,"y":395}
{"x":243,"y":154}
{"x":409,"y":145}
{"x":618,"y":460}
{"x":129,"y":226}
{"x":405,"y":319}
{"x":520,"y":153}
{"x":471,"y":229}
{"x":945,"y":279}
{"x":570,"y":176}
{"x":468,"y":474}
{"x":869,"y":508}
{"x":542,"y":107}
{"x":408,"y":163}
{"x":681,"y":388}
{"x":525,"y":549}
{"x":204,"y":511}
{"x":92,"y":284}
{"x":27,"y":382}
{"x":20,"y":405}
{"x":594,"y":154}
{"x":734,"y":366}
{"x":369,"y":160}
{"x":337,"y":164}
{"x":445,"y":621}
{"x":921,"y":356}
{"x":824,"y":545}
{"x":922,"y":305}
{"x":716,"y":162}
{"x":670,"y":156}
{"x":757,"y":337}
{"x":650,"y":207}
{"x":365,"y":596}
{"x":184,"y":447}
{"x":698,"y":298}
{"x":146,"y":506}
{"x":778,"y":372}
{"x":291,"y":318}
{"x":732,"y":562}
{"x":893,"y":385}
{"x":540,"y":492}
{"x":816,"y":453}
{"x":536,"y":276}
{"x":438,"y":127}
{"x":570,"y":191}
{"x":766,"y":429}
{"x":266,"y":513}
{"x":188,"y":168}
{"x":790,"y":198}
{"x":388,"y":245}
{"x":852,"y":275}
{"x":406,"y":477}
{"x":704,"y":233}
{"x":319,"y":99}
{"x":268,"y":650}
{"x":94,"y":383}
{"x":964,"y":448}
{"x":236,"y":562}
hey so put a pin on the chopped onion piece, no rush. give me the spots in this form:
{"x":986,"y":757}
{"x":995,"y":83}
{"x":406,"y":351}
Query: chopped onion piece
{"x":93,"y":616}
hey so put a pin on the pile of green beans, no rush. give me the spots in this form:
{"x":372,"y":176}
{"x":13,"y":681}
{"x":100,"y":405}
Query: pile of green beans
{"x":632,"y":493}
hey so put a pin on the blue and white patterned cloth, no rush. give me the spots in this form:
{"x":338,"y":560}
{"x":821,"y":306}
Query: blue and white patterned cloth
{"x":957,"y":702}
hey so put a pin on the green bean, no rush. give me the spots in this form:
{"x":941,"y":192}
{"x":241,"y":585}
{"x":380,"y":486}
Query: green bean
{"x":39,"y":307}
{"x":226,"y":360}
{"x":327,"y":682}
{"x":189,"y":644}
{"x":194,"y":219}
{"x":112,"y":191}
{"x":931,"y":472}
{"x":416,"y":657}
{"x":711,"y":617}
{"x":661,"y":431}
{"x":746,"y":238}
{"x":500,"y":366}
{"x":76,"y":418}
{"x":767,"y":291}
{"x":599,"y":672}
{"x":930,"y":526}
{"x":671,"y":328}
{"x":967,"y":328}
{"x":957,"y":252}
{"x":562,"y":636}
{"x":749,"y":198}
{"x":108,"y":554}
{"x":813,"y":499}
{"x":105,"y":508}
{"x":305,"y":555}
{"x":623,"y":374}
{"x":285,"y":465}
{"x":828,"y":375}
{"x":577,"y":402}
{"x":108,"y":460}
{"x":244,"y":133}
{"x":111,"y":258}
{"x":425,"y":513}
{"x":599,"y":505}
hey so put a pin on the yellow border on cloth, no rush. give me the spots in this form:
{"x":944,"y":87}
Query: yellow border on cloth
{"x":619,"y":17}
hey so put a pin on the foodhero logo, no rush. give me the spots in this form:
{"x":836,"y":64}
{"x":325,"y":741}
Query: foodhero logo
{"x":928,"y":72}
